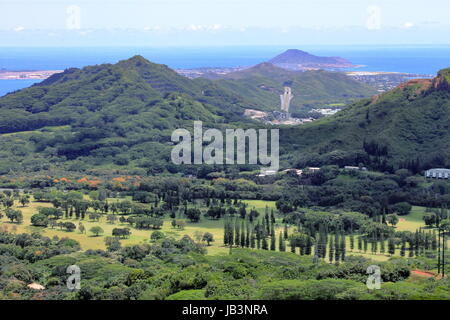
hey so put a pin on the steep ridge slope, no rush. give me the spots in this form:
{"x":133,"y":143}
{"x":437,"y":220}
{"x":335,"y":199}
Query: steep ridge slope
{"x":406,"y":127}
{"x":263,"y":83}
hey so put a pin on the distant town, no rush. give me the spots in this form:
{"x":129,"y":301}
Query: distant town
{"x":383,"y":81}
{"x":27,"y":75}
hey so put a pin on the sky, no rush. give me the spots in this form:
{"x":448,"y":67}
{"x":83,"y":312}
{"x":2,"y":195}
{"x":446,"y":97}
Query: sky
{"x":222,"y":22}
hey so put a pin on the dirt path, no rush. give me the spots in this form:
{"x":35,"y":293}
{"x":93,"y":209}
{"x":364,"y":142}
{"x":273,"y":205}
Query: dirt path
{"x":423,"y":273}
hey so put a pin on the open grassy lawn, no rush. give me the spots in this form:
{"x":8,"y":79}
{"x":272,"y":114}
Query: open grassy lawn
{"x":87,"y":241}
{"x":260,"y":205}
{"x":412,"y":221}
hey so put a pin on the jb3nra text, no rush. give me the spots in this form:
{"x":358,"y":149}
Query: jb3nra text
{"x":229,"y":310}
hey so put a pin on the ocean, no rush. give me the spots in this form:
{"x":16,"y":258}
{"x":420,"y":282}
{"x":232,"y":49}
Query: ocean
{"x":409,"y":59}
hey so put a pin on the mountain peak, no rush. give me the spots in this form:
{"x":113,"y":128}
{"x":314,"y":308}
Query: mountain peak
{"x":136,"y":60}
{"x":297,"y":59}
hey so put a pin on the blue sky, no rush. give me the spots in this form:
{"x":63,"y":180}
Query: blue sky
{"x":223,"y":22}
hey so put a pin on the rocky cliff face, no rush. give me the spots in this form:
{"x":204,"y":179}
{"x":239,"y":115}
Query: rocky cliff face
{"x":442,"y":81}
{"x":425,"y":86}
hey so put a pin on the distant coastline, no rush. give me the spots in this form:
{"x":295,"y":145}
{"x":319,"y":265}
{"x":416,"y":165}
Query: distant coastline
{"x":27,"y":75}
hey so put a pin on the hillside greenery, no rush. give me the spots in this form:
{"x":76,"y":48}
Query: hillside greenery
{"x":407,"y":127}
{"x":262,"y":84}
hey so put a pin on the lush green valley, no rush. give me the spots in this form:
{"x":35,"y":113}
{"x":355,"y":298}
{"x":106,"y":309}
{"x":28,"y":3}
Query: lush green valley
{"x":87,"y":155}
{"x":263,"y":83}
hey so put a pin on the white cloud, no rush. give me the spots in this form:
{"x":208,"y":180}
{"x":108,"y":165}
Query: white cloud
{"x":153,"y":28}
{"x":18,"y":29}
{"x":199,"y":27}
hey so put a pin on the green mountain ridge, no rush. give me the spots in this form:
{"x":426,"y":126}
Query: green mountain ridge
{"x":61,"y":98}
{"x":406,"y":127}
{"x":263,"y":83}
{"x":120,"y":114}
{"x":299,"y":57}
{"x":120,"y":117}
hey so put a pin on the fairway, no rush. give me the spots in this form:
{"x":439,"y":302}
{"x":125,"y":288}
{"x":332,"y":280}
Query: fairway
{"x":87,"y":241}
{"x":260,"y":205}
{"x":412,"y":221}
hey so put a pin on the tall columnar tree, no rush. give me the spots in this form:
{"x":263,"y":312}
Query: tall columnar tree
{"x":309,"y":241}
{"x":382,"y":246}
{"x":281,"y":244}
{"x":285,"y":234}
{"x":360,"y":243}
{"x":323,"y":236}
{"x":410,"y":249}
{"x":403,"y":248}
{"x":352,"y":242}
{"x":272,"y":243}
{"x":242,"y":234}
{"x":267,"y":223}
{"x":331,"y":251}
{"x":343,"y":247}
{"x":316,"y":250}
{"x":265,"y":245}
{"x":434,"y":241}
{"x":237,"y":232}
{"x":292,"y":245}
{"x":337,"y":248}
{"x":391,"y":246}
{"x":417,"y":242}
{"x":225,"y":232}
{"x":247,"y":235}
{"x":252,"y":239}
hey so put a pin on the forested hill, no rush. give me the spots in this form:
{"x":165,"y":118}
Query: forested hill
{"x":101,"y":93}
{"x":263,"y":83}
{"x":121,"y":114}
{"x":294,"y":58}
{"x":408,"y":126}
{"x":120,"y":117}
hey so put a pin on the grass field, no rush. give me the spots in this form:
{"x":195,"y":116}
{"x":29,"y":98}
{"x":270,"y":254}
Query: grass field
{"x":412,"y":221}
{"x":87,"y":241}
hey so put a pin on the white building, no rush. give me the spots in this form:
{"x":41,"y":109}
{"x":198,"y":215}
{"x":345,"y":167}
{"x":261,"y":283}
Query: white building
{"x":298,"y":172}
{"x":438,"y":173}
{"x":355,"y":168}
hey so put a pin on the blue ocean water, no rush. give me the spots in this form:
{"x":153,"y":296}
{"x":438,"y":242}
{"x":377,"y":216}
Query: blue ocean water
{"x":7,"y":86}
{"x":408,"y":59}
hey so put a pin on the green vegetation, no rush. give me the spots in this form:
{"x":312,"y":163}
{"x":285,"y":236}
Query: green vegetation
{"x":398,"y":129}
{"x":178,"y":269}
{"x":262,"y":84}
{"x":113,"y":116}
{"x":90,"y":150}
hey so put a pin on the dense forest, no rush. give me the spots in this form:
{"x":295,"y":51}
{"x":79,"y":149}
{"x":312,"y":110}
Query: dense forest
{"x":121,"y":117}
{"x":85,"y":163}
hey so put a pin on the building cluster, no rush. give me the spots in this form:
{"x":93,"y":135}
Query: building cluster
{"x":438,"y":173}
